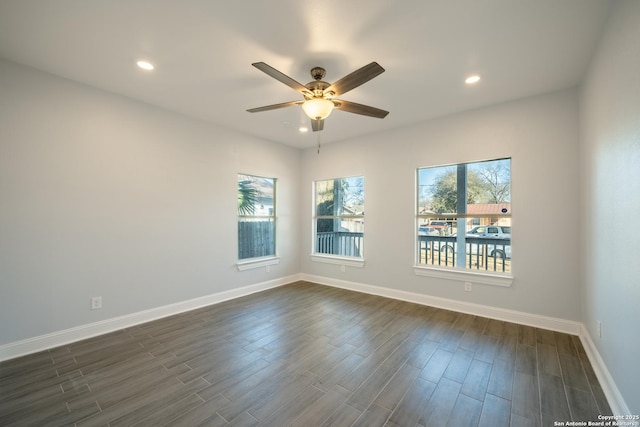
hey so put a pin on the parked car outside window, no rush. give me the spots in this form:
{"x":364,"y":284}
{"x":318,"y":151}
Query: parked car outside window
{"x":487,"y":232}
{"x":492,"y":231}
{"x":428,"y":231}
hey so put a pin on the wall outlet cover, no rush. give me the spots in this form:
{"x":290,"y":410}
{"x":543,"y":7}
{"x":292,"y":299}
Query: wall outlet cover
{"x":96,"y":303}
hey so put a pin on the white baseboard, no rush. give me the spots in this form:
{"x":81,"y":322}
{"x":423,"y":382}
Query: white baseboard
{"x":535,"y":320}
{"x":55,"y":339}
{"x":611,"y":391}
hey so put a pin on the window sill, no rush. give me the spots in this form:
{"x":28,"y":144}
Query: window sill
{"x":503,"y":280}
{"x":339,"y":260}
{"x":257,"y":262}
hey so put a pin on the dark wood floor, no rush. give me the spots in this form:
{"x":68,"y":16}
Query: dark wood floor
{"x":308,"y":355}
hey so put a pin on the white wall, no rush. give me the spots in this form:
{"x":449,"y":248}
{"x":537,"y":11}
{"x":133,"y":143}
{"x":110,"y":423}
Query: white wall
{"x":540,"y":134}
{"x":610,"y":177}
{"x":103,"y":196}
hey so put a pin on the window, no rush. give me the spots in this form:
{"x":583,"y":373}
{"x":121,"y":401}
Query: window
{"x":339,"y":217}
{"x":463,"y":217}
{"x":256,"y":217}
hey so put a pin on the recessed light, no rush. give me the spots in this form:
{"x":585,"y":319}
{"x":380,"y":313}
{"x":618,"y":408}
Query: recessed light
{"x":472,"y":79}
{"x":303,"y":129}
{"x":145,"y":65}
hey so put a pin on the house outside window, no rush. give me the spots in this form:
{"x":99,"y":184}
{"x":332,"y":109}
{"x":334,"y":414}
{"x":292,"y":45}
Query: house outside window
{"x":256,"y":217}
{"x":339,"y":217}
{"x":463,"y":217}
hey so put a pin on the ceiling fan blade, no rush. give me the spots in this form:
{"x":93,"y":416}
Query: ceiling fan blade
{"x":317,"y":125}
{"x":281,"y":77}
{"x":355,"y":79}
{"x":274,"y":106}
{"x":365,"y":110}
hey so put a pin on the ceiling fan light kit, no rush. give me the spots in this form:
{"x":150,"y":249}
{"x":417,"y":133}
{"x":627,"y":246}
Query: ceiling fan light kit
{"x":319,"y":96}
{"x":317,"y":108}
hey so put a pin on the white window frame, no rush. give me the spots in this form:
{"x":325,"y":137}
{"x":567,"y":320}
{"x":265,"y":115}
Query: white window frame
{"x":329,"y":258}
{"x":261,"y":261}
{"x":455,"y":273}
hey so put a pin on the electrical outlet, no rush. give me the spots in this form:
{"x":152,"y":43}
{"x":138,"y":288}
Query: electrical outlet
{"x":96,"y":303}
{"x":343,"y":268}
{"x":467,"y":286}
{"x":267,"y":268}
{"x":599,"y":328}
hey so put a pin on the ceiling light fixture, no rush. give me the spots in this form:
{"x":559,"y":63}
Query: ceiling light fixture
{"x":145,"y":65}
{"x":472,"y":79}
{"x":317,"y":108}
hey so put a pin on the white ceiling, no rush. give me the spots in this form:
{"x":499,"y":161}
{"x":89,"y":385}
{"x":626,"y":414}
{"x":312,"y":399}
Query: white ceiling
{"x":203,"y":50}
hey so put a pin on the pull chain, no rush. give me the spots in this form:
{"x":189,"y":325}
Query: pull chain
{"x":318,"y":141}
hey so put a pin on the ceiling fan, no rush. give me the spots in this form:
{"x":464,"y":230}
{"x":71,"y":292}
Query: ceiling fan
{"x":320,"y":96}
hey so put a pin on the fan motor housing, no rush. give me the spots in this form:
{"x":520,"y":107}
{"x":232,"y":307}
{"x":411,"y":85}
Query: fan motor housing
{"x":317,"y":87}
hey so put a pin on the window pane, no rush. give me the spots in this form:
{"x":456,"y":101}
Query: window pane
{"x":489,"y":187}
{"x":353,"y":196}
{"x":256,"y":238}
{"x":324,"y":197}
{"x":339,"y":211}
{"x":437,"y":190}
{"x":336,"y":197}
{"x":486,"y":248}
{"x":255,"y":196}
{"x":340,"y":236}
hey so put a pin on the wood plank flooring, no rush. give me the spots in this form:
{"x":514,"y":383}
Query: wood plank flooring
{"x":308,"y":355}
